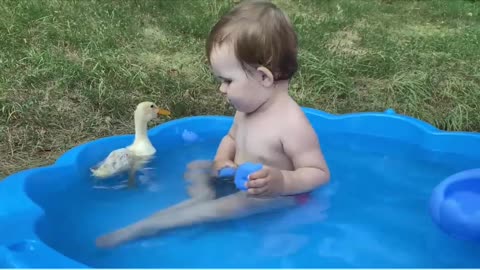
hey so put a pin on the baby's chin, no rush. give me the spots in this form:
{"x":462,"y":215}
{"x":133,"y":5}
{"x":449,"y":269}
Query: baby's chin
{"x":240,"y":107}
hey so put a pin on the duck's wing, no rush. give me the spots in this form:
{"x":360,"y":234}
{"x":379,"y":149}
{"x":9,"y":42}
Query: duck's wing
{"x":117,"y":161}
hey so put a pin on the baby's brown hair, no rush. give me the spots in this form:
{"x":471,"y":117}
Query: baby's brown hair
{"x":261,"y":35}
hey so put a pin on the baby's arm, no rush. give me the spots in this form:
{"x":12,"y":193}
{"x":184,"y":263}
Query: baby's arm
{"x":301,"y":144}
{"x":226,"y":150}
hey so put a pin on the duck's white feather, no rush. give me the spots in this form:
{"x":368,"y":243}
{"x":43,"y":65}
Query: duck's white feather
{"x":118,"y":161}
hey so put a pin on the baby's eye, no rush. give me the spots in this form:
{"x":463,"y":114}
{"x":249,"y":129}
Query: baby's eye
{"x":227,"y":81}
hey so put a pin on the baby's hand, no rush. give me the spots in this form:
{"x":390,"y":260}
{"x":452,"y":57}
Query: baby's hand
{"x":267,"y":182}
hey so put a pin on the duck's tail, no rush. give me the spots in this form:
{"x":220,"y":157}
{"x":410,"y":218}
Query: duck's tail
{"x":100,"y":172}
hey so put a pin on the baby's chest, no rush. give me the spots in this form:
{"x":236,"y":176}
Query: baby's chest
{"x":259,"y":143}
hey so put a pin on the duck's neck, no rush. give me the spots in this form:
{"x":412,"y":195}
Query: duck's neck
{"x":140,"y":129}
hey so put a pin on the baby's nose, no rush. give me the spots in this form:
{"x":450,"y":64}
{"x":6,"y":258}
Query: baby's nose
{"x":223,"y":88}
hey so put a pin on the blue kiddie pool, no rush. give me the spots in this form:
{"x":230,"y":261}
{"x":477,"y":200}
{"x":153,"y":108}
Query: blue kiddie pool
{"x":377,"y":211}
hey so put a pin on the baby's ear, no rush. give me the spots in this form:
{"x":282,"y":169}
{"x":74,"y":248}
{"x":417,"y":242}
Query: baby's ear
{"x":266,"y":76}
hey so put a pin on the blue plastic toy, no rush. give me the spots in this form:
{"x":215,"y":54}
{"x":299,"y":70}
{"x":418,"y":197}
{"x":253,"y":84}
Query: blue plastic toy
{"x":227,"y":173}
{"x":241,"y":174}
{"x":455,"y":205}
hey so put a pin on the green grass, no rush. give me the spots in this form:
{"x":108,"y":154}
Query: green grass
{"x":73,"y":71}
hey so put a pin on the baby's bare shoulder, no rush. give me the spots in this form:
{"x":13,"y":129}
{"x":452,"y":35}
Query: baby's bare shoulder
{"x":296,"y":117}
{"x":298,"y":128}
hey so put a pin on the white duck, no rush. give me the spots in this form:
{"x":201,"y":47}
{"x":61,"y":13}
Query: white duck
{"x":136,"y":155}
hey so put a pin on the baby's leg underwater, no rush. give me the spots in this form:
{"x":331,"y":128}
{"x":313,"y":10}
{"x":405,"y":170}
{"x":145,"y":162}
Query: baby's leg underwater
{"x":198,"y":175}
{"x":233,"y":206}
{"x":138,"y":229}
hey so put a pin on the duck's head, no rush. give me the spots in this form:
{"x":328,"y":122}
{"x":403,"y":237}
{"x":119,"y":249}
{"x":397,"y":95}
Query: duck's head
{"x":148,"y":110}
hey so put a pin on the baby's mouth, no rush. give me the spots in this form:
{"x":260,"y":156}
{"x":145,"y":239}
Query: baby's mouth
{"x":230,"y":103}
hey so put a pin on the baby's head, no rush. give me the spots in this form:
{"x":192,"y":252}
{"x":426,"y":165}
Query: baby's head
{"x":251,"y":49}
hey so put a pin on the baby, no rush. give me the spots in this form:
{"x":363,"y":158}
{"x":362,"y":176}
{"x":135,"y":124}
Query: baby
{"x":252,"y":50}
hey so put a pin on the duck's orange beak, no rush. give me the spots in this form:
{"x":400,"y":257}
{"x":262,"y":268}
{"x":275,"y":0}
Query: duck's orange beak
{"x":164,"y":112}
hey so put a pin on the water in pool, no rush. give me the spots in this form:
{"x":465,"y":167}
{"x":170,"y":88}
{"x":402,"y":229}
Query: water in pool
{"x":373,"y":214}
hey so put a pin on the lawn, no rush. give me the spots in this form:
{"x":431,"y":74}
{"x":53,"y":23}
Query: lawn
{"x":73,"y":71}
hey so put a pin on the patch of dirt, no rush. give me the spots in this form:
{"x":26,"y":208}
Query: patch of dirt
{"x":346,"y":42}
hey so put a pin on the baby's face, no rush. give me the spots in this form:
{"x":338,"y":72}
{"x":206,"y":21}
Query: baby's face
{"x":244,"y":91}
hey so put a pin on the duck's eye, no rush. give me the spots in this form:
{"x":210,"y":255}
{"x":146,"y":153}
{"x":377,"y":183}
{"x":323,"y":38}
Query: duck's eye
{"x":151,"y":106}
